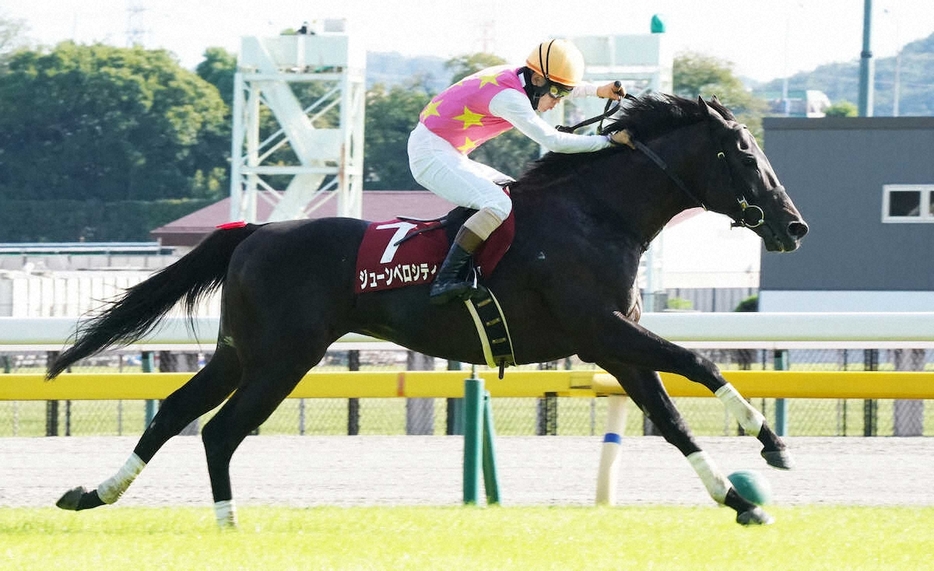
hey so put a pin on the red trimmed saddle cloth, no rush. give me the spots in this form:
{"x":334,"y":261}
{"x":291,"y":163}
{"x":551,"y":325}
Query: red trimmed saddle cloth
{"x":402,"y":252}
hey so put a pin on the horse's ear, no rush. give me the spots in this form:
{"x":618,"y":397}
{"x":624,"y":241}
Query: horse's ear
{"x":705,"y":110}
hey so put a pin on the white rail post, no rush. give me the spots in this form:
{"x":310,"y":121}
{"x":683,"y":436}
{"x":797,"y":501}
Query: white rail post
{"x":608,"y":473}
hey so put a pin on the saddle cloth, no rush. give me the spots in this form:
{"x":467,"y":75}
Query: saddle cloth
{"x":402,"y":252}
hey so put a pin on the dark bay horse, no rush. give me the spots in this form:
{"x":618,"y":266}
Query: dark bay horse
{"x":567,"y":286}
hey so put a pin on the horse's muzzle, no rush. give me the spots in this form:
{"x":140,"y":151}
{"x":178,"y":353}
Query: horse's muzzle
{"x":790,"y":238}
{"x":778,"y":238}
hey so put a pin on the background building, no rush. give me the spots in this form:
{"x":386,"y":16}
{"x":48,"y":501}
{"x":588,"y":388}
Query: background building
{"x":865,"y":185}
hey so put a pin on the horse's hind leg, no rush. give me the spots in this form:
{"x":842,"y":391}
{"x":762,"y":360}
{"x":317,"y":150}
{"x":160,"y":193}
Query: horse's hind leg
{"x":645,"y":388}
{"x":207,"y":389}
{"x":265,"y":385}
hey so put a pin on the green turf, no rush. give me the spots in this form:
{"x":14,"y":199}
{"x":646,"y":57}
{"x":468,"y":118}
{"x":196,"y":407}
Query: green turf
{"x":426,"y":538}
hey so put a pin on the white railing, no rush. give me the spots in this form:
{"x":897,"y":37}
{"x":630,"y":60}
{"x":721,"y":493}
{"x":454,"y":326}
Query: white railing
{"x":696,"y":330}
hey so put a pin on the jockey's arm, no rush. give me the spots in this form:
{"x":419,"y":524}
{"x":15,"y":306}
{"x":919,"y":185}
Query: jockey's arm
{"x":514,"y":107}
{"x":613,"y":90}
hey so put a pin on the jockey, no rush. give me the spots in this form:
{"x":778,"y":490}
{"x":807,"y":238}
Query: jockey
{"x":473,"y":111}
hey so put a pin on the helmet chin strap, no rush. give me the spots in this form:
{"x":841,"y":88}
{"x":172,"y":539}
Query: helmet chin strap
{"x":533,"y":91}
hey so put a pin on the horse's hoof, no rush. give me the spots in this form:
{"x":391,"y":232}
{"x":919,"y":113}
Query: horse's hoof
{"x":778,"y":459}
{"x":71,"y":498}
{"x":755,"y":516}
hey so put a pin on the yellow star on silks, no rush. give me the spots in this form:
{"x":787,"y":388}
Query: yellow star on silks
{"x":485,"y":79}
{"x":431,"y":109}
{"x":470,"y":118}
{"x":467,"y":146}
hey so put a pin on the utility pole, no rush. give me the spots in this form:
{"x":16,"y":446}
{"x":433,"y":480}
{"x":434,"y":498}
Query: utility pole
{"x":866,"y":71}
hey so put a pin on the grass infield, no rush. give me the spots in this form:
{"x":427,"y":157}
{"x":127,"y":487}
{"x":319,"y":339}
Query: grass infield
{"x":491,"y":538}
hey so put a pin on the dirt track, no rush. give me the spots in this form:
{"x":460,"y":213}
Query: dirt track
{"x":416,"y":470}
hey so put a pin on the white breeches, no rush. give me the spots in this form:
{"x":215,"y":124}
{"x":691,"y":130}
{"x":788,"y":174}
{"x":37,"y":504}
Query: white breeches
{"x":437,"y":166}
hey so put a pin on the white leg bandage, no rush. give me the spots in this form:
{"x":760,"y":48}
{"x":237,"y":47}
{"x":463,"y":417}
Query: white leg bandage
{"x":226,"y":513}
{"x":112,"y":488}
{"x":749,"y":418}
{"x":716,"y":483}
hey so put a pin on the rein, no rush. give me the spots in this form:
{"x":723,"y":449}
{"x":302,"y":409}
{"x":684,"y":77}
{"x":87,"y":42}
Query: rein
{"x":755,"y":221}
{"x":653,"y":156}
{"x":607,"y":113}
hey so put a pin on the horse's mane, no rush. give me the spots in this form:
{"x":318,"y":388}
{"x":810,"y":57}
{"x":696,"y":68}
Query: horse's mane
{"x":658,"y":113}
{"x":645,"y":117}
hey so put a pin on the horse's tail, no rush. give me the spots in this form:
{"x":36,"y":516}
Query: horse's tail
{"x":137,"y":312}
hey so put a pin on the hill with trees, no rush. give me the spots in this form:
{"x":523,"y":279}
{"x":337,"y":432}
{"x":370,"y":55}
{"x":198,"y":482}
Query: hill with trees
{"x":840,"y":81}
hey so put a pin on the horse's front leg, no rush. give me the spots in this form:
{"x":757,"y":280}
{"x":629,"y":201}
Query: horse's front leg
{"x":645,"y":388}
{"x":622,"y":340}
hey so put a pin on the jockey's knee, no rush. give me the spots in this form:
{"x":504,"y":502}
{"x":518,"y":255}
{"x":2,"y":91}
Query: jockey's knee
{"x":485,"y":221}
{"x":500,"y":207}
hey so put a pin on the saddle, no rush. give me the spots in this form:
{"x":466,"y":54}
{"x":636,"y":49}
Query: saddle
{"x":408,"y":251}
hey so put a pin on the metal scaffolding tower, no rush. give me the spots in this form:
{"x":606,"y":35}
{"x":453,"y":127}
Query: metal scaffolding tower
{"x":313,"y":86}
{"x":643,"y":62}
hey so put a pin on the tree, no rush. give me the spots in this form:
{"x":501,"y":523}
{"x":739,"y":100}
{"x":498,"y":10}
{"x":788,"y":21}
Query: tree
{"x":12,"y":37}
{"x":108,"y":123}
{"x":462,"y":66}
{"x":706,"y":76}
{"x":219,"y":68}
{"x":842,"y":109}
{"x":696,"y":74}
{"x":390,"y":117}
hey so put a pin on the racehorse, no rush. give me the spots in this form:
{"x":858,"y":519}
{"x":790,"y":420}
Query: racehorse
{"x":567,"y":285}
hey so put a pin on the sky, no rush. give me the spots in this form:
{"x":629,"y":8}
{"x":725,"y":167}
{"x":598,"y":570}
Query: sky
{"x":763,"y":39}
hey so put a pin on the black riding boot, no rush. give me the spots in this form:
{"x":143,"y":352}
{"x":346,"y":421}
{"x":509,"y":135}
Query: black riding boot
{"x":452,"y":281}
{"x":454,"y":277}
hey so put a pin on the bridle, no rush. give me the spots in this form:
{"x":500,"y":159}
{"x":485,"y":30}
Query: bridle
{"x":751,"y":216}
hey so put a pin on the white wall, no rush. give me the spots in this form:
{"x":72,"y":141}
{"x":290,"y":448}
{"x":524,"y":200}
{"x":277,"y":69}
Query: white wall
{"x":845,"y":301}
{"x":700,"y":250}
{"x":69,"y":294}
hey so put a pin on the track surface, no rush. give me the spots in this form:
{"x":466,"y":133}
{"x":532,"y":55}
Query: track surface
{"x":426,"y":470}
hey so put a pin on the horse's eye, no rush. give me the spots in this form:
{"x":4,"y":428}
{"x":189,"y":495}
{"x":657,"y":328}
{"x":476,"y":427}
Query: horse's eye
{"x":749,"y":160}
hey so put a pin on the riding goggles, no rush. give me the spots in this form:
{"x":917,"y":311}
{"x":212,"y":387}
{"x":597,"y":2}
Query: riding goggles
{"x":558,"y":91}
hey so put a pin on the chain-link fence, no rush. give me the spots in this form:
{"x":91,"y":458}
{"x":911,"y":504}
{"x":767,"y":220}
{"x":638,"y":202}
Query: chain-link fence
{"x":512,"y":416}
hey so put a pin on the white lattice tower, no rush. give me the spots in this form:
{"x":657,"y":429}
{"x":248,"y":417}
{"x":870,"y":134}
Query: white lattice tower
{"x":329,"y":158}
{"x":642,"y":62}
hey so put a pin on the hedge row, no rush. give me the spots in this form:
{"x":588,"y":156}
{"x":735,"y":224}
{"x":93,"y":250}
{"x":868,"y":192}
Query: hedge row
{"x":90,"y":221}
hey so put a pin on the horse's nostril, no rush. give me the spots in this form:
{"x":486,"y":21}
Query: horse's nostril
{"x":798,"y":229}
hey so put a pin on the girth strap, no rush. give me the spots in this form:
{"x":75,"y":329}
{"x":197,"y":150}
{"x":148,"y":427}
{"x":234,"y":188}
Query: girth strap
{"x":492,"y":329}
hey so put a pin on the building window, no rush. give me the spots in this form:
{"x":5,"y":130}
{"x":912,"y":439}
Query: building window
{"x":907,"y":203}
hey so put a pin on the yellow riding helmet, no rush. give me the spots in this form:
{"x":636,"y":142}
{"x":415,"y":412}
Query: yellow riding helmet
{"x":559,"y":61}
